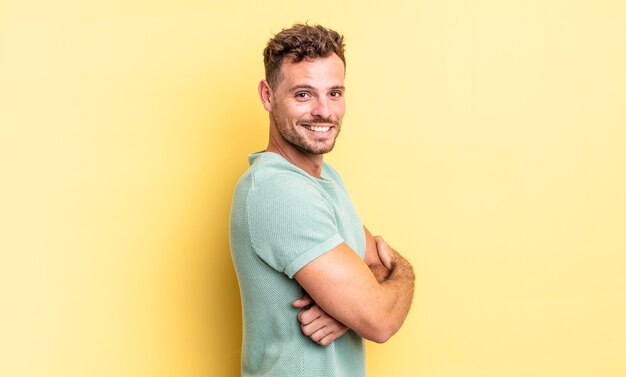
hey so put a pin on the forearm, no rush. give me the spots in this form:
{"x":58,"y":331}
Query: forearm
{"x":381,"y":273}
{"x":398,"y":288}
{"x":374,"y":310}
{"x":395,"y":276}
{"x":387,"y":303}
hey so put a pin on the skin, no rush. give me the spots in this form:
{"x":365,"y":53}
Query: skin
{"x":306,"y":109}
{"x":318,"y":325}
{"x":309,"y":94}
{"x":374,"y":310}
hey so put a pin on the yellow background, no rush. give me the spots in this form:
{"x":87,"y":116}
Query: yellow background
{"x":486,"y":140}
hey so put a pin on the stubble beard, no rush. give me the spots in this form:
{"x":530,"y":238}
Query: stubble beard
{"x":293,"y":137}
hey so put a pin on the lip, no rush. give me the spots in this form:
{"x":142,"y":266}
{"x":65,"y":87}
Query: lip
{"x":318,"y":124}
{"x":307,"y":126}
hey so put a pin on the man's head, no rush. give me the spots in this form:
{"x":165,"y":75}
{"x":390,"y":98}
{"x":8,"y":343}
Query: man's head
{"x":304,"y":90}
{"x":300,"y":42}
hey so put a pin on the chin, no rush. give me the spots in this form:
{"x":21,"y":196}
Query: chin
{"x":322,"y":150}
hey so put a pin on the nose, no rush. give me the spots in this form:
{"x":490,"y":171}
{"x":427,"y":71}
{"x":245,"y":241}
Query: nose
{"x":321,"y":108}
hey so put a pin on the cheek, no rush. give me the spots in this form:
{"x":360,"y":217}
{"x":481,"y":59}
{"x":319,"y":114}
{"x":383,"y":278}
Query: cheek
{"x":288,"y":112}
{"x":298,"y":110}
{"x":339,"y":109}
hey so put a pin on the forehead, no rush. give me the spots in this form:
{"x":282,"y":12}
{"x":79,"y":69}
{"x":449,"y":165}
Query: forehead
{"x":319,"y":73}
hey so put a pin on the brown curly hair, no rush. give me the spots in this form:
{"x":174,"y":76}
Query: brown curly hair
{"x":300,"y":42}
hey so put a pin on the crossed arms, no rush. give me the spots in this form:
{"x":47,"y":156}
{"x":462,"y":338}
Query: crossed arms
{"x":371,"y":296}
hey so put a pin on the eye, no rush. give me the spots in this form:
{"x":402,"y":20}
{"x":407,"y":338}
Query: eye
{"x":336,"y":94}
{"x":302,"y":95}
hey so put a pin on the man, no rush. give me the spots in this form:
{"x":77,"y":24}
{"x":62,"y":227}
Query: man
{"x":296,"y":239}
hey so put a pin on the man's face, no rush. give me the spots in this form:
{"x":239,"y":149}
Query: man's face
{"x":308,"y":103}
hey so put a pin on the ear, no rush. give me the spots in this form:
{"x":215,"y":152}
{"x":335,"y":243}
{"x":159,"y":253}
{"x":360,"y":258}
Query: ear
{"x":265,"y":94}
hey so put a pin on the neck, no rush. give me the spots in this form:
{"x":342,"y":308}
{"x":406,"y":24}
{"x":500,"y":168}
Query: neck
{"x":310,"y":163}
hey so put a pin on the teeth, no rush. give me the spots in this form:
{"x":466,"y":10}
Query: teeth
{"x":318,"y":128}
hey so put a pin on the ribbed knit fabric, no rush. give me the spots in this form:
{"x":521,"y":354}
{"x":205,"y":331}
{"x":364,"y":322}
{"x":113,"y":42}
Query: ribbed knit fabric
{"x":281,"y":219}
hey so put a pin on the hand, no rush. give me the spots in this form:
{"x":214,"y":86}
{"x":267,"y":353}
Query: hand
{"x":385,"y":252}
{"x":316,"y":324}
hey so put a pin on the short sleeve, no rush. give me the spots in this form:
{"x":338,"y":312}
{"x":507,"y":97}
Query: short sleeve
{"x":291,"y":222}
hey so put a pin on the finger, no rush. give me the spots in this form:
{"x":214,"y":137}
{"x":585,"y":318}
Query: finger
{"x":314,"y":326}
{"x":309,"y":315}
{"x":319,"y":334}
{"x":303,"y":301}
{"x":332,"y":336}
{"x":312,"y":329}
{"x":320,"y":327}
{"x":384,"y":252}
{"x":320,"y":323}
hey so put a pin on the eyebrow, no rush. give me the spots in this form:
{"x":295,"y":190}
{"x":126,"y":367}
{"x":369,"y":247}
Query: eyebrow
{"x":309,"y":87}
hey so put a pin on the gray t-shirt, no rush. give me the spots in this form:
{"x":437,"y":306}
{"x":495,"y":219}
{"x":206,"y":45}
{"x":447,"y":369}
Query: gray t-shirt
{"x":281,"y":219}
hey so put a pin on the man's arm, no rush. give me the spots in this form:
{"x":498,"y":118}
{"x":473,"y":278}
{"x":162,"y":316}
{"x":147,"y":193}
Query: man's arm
{"x":316,"y":324}
{"x":380,"y":270}
{"x":373,"y":305}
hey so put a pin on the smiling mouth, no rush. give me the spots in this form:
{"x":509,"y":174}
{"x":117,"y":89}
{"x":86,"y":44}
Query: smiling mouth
{"x":317,"y":128}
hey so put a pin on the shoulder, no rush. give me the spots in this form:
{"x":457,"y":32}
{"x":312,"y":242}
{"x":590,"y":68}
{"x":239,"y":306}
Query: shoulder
{"x":329,"y":170}
{"x":268,"y":170}
{"x":273,"y":184}
{"x":330,"y":173}
{"x":272,"y":173}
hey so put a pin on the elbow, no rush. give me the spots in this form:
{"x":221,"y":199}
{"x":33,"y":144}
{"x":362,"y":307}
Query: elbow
{"x":380,"y":332}
{"x":379,"y":325}
{"x":381,"y":338}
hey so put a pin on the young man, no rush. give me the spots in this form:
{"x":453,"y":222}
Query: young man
{"x":313,"y":280}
